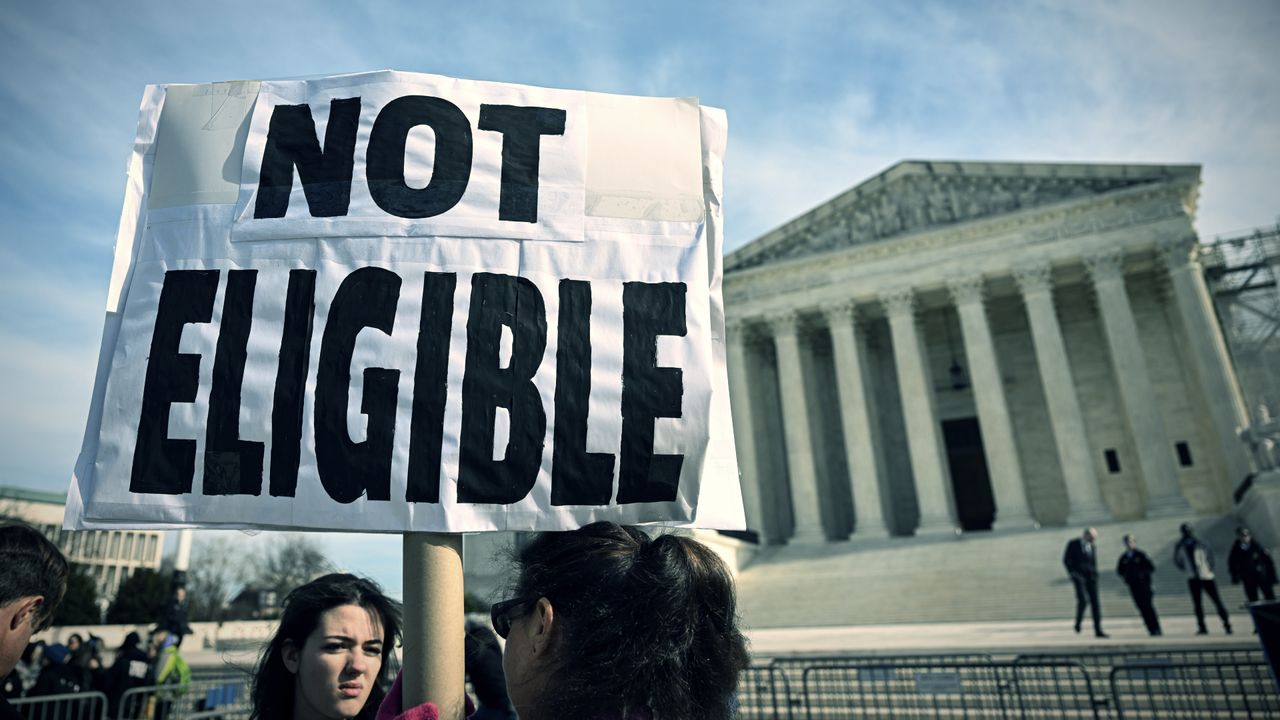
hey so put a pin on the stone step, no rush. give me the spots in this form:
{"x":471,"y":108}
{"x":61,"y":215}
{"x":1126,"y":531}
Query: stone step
{"x":976,"y":577}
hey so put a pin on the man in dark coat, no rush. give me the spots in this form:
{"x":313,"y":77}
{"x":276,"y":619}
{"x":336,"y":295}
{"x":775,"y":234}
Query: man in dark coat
{"x":1136,"y":569}
{"x":1250,"y":563}
{"x":33,"y":579}
{"x":1081,"y":561}
{"x":173,"y":619}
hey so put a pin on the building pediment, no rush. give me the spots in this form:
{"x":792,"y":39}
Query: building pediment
{"x":915,"y":196}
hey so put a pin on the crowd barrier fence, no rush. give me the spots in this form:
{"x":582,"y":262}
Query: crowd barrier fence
{"x":72,"y":706}
{"x":1178,"y":691}
{"x":1192,"y":683}
{"x":225,"y":696}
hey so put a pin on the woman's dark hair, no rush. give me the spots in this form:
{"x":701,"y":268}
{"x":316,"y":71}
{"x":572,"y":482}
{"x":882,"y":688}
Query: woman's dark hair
{"x":643,"y":624}
{"x":273,"y":684}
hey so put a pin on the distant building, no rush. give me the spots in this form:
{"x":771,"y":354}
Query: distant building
{"x":109,"y":556}
{"x":254,"y":603}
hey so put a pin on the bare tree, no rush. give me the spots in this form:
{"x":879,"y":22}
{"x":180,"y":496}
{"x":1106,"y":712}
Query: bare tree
{"x":290,"y":561}
{"x":216,"y":571}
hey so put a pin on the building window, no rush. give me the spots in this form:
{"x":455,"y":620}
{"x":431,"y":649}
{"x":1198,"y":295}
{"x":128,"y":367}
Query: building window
{"x":151,"y":548}
{"x":1184,"y":454}
{"x":1113,"y":461}
{"x":114,"y":547}
{"x":128,"y":546}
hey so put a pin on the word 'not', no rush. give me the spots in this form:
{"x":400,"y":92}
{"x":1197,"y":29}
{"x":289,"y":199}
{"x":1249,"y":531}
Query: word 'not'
{"x":326,"y":173}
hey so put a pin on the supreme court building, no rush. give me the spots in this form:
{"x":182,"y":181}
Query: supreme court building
{"x":974,"y":345}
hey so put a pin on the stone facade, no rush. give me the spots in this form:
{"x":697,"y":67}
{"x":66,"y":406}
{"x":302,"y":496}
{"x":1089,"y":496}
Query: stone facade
{"x":981,"y":345}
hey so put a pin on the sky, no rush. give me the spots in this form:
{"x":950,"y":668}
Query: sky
{"x":819,"y":95}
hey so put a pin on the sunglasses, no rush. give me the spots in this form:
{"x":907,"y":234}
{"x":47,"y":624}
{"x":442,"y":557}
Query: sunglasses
{"x":501,"y":614}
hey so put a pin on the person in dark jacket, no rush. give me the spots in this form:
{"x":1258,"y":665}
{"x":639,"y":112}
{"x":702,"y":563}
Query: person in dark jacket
{"x":1136,"y":569}
{"x":1250,"y":563}
{"x":174,"y":618}
{"x":1081,"y":561}
{"x":59,"y":676}
{"x":131,"y":669}
{"x":484,"y":670}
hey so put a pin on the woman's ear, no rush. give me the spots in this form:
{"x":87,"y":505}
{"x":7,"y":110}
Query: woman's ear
{"x":290,"y":654}
{"x":543,"y":622}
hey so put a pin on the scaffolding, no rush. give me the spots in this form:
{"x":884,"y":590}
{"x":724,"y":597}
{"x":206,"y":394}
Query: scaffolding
{"x":1243,"y":276}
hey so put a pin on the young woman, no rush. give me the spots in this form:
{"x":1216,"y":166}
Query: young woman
{"x":606,"y":623}
{"x":329,"y":657}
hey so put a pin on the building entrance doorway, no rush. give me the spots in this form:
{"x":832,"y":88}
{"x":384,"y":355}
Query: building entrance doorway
{"x":970,"y":481}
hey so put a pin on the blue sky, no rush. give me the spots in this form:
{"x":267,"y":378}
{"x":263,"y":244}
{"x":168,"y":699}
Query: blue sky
{"x":820,"y":96}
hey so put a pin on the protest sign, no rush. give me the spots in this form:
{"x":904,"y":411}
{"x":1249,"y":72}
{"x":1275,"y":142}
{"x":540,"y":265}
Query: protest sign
{"x":400,"y":302}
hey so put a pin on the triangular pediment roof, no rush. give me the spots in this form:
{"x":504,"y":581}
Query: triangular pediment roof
{"x":919,"y":195}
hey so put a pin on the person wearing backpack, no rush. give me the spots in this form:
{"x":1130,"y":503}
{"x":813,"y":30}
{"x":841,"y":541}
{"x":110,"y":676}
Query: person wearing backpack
{"x":173,"y":674}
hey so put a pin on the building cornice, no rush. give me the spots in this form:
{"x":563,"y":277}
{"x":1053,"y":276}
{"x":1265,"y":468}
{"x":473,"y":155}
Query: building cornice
{"x":1039,"y":227}
{"x":917,"y":197}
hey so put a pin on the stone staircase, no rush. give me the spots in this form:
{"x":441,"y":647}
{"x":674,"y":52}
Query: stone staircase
{"x":977,"y":577}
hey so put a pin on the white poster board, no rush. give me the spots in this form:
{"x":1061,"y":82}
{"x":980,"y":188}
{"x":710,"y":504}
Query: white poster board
{"x":400,"y":302}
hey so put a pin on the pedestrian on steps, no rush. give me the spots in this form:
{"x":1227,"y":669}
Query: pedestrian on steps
{"x":1196,"y":560}
{"x":1250,"y":562}
{"x":1081,"y":561}
{"x":1136,"y":569}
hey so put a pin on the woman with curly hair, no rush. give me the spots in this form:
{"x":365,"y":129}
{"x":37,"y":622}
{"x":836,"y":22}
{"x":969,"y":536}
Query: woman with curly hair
{"x":606,"y":623}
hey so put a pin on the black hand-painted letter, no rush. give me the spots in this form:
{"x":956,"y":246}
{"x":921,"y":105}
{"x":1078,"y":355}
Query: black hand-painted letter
{"x":231,"y":466}
{"x":326,"y":176}
{"x":384,"y":164}
{"x":366,"y":298}
{"x":498,"y":300}
{"x":291,"y":382}
{"x":430,"y":387}
{"x":577,"y":476}
{"x":161,"y":465}
{"x":522,"y":129}
{"x":649,"y":391}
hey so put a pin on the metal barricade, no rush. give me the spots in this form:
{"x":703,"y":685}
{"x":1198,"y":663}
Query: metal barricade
{"x":762,"y":695}
{"x":908,"y":691}
{"x":1099,"y":663}
{"x":1185,"y":691}
{"x":225,"y":696}
{"x":788,"y":672}
{"x":73,"y":706}
{"x":1050,"y":690}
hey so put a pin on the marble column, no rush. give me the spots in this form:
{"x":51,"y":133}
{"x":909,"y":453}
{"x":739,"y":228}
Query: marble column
{"x":857,"y":419}
{"x":924,"y":434}
{"x":1151,"y":441}
{"x":795,"y":419}
{"x":998,"y":442}
{"x":1084,"y":496}
{"x":744,"y":435}
{"x":1209,"y":353}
